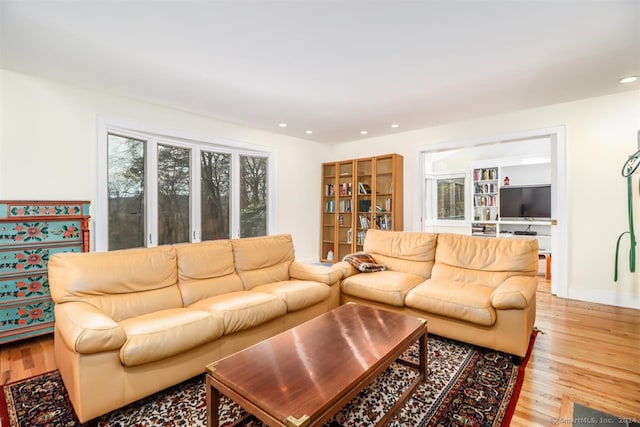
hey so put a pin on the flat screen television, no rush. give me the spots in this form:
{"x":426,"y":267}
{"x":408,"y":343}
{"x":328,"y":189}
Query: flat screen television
{"x":525,"y":202}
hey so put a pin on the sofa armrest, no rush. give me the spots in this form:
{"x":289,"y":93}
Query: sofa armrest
{"x":317,"y":273}
{"x":86,"y":329}
{"x":515,"y":292}
{"x":347,"y":269}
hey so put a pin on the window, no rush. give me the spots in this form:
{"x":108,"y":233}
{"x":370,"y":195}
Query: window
{"x":253,"y":196}
{"x":215,"y":175}
{"x":446,"y":195}
{"x":126,"y":192}
{"x":450,"y":198}
{"x":156,"y":190}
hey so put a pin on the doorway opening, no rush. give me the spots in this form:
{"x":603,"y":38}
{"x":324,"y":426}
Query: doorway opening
{"x":527,"y":158}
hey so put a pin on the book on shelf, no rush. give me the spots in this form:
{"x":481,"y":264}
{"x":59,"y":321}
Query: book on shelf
{"x":345,"y":189}
{"x":330,"y":206}
{"x":489,"y":228}
{"x":364,"y":221}
{"x":477,"y":228}
{"x":364,"y":205}
{"x":363,"y":188}
{"x":329,"y":190}
{"x":384,"y":222}
{"x":349,"y":235}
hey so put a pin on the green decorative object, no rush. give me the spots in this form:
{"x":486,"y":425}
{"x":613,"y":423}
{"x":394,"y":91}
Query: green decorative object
{"x":629,"y":167}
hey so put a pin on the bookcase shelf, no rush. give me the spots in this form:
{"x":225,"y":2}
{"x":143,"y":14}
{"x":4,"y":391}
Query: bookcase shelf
{"x":359,"y":194}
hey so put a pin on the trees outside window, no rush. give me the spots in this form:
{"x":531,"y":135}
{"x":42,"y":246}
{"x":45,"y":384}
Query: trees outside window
{"x":215,"y":188}
{"x":446,"y":197}
{"x":450,"y":198}
{"x":253,"y":196}
{"x":126,"y":192}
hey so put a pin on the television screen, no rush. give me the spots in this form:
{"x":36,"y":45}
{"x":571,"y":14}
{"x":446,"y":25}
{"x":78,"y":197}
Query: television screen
{"x":525,"y":202}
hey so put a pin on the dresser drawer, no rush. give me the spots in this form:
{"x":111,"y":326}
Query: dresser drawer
{"x":26,"y":260}
{"x":22,"y":208}
{"x":22,"y":320}
{"x":22,"y":288}
{"x":22,"y":233}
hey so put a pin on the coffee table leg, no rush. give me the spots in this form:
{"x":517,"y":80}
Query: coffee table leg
{"x":213,"y":400}
{"x":423,"y":356}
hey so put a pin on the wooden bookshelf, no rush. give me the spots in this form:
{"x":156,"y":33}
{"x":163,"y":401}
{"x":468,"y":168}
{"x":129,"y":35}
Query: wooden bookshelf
{"x":359,"y":194}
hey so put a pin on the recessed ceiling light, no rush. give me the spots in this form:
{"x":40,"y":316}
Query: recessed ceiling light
{"x":283,"y":125}
{"x":309,"y":131}
{"x":629,"y":79}
{"x":364,"y":132}
{"x":395,"y":125}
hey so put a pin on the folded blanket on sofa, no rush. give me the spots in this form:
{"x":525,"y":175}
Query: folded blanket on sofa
{"x":363,"y":262}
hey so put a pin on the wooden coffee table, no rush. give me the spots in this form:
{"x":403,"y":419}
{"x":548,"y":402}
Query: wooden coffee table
{"x":304,"y":376}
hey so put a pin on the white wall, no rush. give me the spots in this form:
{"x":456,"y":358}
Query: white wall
{"x":48,"y":149}
{"x":600,"y":135}
{"x":527,"y":174}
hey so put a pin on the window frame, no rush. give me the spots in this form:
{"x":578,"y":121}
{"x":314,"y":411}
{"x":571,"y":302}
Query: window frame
{"x":196,"y":143}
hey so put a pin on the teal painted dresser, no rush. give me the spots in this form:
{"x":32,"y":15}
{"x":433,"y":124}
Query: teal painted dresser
{"x":30,"y":232}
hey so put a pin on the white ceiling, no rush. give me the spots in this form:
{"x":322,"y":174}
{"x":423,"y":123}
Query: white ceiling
{"x":333,"y":67}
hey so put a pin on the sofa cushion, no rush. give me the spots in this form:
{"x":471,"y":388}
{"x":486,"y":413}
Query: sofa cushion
{"x":156,"y":336}
{"x":363,"y":262}
{"x":206,"y":269}
{"x":486,"y":260}
{"x":123,"y":283}
{"x":263,"y":260}
{"x":297,"y":294}
{"x":243,"y":310}
{"x":407,"y":252}
{"x":457,"y":300}
{"x":387,"y":287}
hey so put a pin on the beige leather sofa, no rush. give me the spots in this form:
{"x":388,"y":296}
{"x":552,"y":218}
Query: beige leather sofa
{"x":480,"y":290}
{"x":132,"y":322}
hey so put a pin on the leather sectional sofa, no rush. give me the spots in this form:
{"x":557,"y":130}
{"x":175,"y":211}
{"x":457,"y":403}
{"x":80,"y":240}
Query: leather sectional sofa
{"x":480,"y":290}
{"x":132,"y":322}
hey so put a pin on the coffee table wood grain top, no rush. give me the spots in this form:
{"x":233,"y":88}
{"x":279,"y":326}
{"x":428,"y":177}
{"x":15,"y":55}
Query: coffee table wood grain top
{"x":303,"y":376}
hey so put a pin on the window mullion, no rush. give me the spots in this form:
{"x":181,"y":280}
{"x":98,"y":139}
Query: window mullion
{"x":234,"y":214}
{"x":151,"y":198}
{"x":196,"y":192}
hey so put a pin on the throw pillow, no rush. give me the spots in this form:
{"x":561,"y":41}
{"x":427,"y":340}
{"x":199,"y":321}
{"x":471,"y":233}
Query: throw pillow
{"x":363,"y":262}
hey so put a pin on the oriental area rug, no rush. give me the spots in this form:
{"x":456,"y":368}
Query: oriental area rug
{"x":466,"y":386}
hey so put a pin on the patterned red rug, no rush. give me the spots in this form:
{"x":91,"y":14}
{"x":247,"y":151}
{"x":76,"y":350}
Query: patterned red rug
{"x":467,"y":386}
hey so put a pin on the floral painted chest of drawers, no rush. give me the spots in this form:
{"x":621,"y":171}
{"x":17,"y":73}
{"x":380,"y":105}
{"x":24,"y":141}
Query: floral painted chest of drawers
{"x":30,"y":232}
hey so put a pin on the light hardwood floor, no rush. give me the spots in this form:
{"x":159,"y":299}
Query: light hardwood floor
{"x":586,"y":353}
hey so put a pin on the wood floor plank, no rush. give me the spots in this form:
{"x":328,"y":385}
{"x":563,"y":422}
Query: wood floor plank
{"x":587,"y":353}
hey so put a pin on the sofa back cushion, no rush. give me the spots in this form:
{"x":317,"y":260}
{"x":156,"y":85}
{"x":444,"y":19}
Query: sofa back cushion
{"x":206,"y":269}
{"x":403,"y":251}
{"x":122,"y":283}
{"x":263,"y":260}
{"x":488,"y":261}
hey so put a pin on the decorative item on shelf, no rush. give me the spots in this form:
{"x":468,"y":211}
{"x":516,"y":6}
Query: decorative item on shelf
{"x":506,"y":181}
{"x":364,"y":188}
{"x":330,"y":254}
